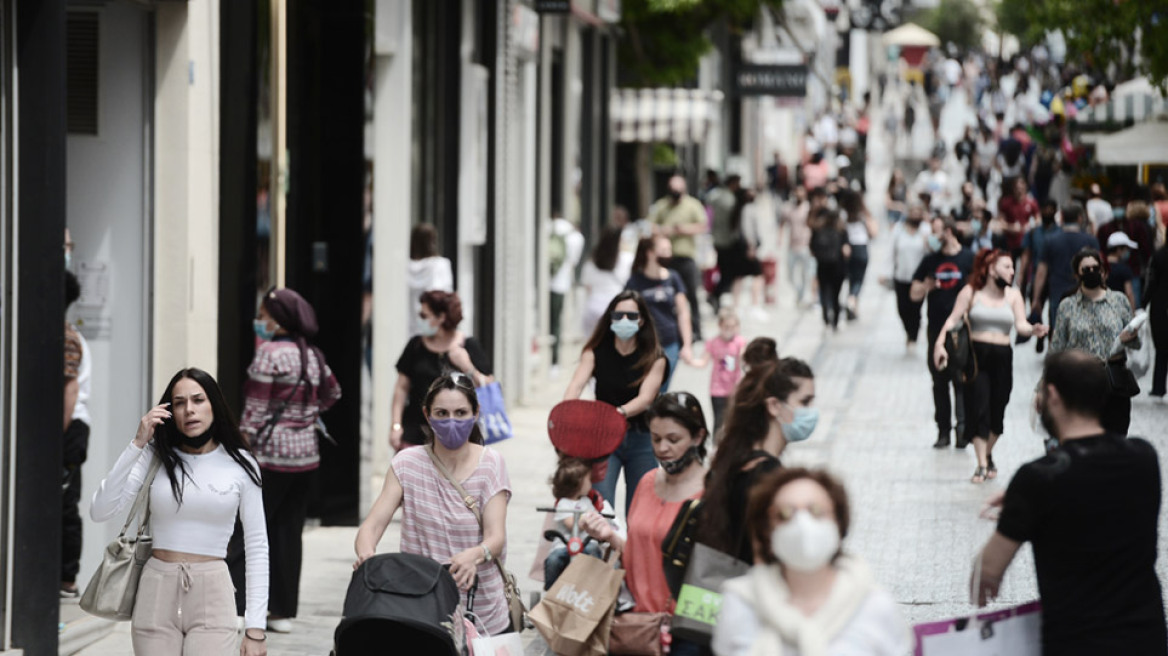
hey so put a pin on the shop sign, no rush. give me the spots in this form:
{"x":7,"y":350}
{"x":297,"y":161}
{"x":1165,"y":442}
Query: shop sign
{"x":553,"y":6}
{"x":788,"y":80}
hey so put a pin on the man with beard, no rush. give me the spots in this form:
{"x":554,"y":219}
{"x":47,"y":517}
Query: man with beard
{"x":682,"y":218}
{"x":1090,"y":509}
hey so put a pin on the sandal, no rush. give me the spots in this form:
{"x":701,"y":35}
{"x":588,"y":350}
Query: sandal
{"x":991,"y":469}
{"x":979,"y":475}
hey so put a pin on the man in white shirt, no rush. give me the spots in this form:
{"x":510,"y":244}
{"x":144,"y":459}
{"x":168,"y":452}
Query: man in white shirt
{"x":934,"y":181}
{"x":569,"y":251}
{"x":1098,"y":210}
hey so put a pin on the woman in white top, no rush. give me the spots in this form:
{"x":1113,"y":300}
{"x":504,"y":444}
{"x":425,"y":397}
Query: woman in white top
{"x":861,"y":228}
{"x":805,"y":597}
{"x":427,"y":271}
{"x":604,"y":276}
{"x":909,"y":246}
{"x":185,"y":604}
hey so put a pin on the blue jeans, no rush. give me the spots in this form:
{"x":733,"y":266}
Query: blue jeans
{"x":635,"y":455}
{"x":672,"y":352}
{"x":557,"y":561}
{"x":857,"y":267}
{"x":683,"y":647}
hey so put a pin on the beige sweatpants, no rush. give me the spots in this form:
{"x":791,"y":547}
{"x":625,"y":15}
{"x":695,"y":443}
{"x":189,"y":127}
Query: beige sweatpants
{"x":185,"y":609}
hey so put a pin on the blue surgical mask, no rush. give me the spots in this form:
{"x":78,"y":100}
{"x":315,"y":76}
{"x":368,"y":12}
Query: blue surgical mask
{"x":262,"y":331}
{"x":934,"y":243}
{"x":428,"y":329}
{"x":625,"y":328}
{"x":68,"y":261}
{"x":802,"y":425}
{"x":975,"y":225}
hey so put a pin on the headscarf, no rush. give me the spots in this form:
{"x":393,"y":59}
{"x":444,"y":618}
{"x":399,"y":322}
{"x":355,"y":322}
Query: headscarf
{"x":295,"y":315}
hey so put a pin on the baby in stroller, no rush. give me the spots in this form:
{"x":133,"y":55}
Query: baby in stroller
{"x":572,"y":488}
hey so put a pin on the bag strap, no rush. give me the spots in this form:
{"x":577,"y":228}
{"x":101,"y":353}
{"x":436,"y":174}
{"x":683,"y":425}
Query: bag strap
{"x":472,"y":504}
{"x":270,"y":425}
{"x":142,"y":500}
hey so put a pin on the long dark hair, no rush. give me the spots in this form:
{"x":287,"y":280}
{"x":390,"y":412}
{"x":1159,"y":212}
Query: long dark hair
{"x":607,"y":250}
{"x":644,"y":247}
{"x":224,"y":430}
{"x":647,"y":344}
{"x":459,"y":382}
{"x":747,"y":423}
{"x":686,"y":410}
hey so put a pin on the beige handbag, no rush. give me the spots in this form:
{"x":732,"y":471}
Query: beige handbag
{"x":111,"y":592}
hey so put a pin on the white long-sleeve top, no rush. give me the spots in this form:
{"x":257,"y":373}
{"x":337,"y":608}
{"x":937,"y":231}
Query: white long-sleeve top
{"x":217,"y":488}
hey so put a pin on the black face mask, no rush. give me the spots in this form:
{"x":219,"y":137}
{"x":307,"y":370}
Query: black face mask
{"x":1047,"y":220}
{"x":196,"y":442}
{"x":1093,"y":279}
{"x":675,"y":195}
{"x":1002,"y":283}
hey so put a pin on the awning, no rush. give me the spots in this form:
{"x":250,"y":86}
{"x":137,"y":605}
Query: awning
{"x":1143,"y":143}
{"x":911,"y":34}
{"x":663,"y":115}
{"x":1135,"y":100}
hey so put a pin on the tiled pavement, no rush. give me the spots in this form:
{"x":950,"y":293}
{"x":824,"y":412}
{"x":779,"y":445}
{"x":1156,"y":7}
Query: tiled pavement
{"x":914,"y":509}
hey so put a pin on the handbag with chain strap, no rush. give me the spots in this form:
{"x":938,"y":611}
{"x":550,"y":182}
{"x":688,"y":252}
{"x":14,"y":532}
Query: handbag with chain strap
{"x":515,"y":607}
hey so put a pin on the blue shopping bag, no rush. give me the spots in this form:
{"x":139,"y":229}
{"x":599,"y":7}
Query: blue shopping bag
{"x":493,"y":420}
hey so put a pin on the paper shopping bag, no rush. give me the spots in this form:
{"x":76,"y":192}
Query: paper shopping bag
{"x":575,"y":615}
{"x":507,"y":644}
{"x":1009,"y":632}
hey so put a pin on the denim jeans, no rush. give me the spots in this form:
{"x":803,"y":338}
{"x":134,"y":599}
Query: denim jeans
{"x":672,"y":352}
{"x":557,"y":561}
{"x":635,"y":455}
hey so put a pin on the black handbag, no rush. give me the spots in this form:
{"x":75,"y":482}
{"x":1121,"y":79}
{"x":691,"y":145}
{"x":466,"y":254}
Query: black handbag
{"x":679,"y":543}
{"x":1123,"y":381}
{"x":962,"y":359}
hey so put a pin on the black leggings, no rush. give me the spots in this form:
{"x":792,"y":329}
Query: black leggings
{"x":909,"y":310}
{"x":831,"y":277}
{"x":986,"y":397}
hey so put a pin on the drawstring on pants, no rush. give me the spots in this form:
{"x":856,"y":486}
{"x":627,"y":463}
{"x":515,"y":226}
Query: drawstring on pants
{"x":184,"y":582}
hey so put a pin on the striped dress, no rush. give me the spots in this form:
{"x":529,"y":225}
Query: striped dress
{"x":438,"y":525}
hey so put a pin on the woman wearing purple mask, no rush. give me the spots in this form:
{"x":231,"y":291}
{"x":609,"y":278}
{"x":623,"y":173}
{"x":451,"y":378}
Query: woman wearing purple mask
{"x":436,"y":522}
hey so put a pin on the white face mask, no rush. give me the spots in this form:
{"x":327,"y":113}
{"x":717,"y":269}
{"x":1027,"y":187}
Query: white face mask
{"x":804,"y":543}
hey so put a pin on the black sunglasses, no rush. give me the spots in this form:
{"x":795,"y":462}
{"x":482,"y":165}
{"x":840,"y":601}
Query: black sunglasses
{"x":1089,"y":269}
{"x":632,"y":316}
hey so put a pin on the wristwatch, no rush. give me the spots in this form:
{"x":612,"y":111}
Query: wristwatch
{"x":397,"y":426}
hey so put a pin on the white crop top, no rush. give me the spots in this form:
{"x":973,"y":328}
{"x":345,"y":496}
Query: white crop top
{"x":218,"y":487}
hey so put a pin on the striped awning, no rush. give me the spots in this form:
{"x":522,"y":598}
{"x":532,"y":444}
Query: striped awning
{"x":663,"y":115}
{"x":1135,"y":100}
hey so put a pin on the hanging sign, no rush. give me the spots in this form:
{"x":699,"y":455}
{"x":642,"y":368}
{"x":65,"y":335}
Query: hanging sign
{"x":786,"y":80}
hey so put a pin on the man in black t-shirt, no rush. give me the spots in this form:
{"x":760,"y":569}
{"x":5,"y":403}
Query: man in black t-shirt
{"x":940,"y":277}
{"x":1090,"y":509}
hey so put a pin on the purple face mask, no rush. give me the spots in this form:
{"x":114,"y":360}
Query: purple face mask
{"x":452,"y":433}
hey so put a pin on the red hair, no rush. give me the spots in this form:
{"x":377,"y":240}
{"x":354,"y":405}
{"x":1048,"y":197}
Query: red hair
{"x":981,"y":266}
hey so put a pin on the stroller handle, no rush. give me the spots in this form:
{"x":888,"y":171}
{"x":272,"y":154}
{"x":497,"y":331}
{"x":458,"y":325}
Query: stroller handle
{"x":577,"y":512}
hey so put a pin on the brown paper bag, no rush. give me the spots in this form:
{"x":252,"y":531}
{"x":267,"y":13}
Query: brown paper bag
{"x":575,"y":615}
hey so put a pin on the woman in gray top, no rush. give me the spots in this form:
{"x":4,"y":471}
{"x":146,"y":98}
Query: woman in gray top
{"x":992,"y":310}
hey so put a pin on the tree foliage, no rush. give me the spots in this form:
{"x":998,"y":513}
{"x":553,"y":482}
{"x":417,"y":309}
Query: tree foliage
{"x":1010,"y":17}
{"x":1122,"y":37}
{"x":664,"y":40}
{"x":958,"y":23}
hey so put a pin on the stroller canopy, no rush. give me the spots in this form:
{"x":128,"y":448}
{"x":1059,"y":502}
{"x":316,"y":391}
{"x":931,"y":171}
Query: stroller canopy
{"x":401,"y":600}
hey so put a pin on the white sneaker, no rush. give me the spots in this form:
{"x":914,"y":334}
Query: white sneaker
{"x":280,"y":626}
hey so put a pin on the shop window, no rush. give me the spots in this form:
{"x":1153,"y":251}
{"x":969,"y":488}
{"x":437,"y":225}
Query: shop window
{"x":81,"y":39}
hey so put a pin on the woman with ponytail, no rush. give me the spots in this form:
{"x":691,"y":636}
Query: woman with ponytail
{"x":289,"y":384}
{"x":770,"y":408}
{"x":993,"y":310}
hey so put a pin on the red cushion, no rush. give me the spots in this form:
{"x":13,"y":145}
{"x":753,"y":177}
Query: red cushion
{"x":586,"y":429}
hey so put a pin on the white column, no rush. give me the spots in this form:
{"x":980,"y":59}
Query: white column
{"x":186,"y":189}
{"x":392,"y":177}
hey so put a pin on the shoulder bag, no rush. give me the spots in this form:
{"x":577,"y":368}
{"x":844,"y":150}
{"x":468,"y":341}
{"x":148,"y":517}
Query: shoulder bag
{"x":114,"y":586}
{"x":510,"y":586}
{"x":962,"y":359}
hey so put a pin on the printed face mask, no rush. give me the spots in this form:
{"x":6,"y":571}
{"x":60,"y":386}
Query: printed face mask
{"x":262,"y":331}
{"x":802,"y":425}
{"x":625,"y":328}
{"x":804,"y":543}
{"x":679,"y":465}
{"x":452,"y":433}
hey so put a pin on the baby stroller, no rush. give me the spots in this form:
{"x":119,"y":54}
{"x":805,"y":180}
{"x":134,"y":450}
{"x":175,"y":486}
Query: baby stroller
{"x":401,"y":602}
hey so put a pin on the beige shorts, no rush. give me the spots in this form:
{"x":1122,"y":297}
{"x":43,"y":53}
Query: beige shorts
{"x":185,"y":609}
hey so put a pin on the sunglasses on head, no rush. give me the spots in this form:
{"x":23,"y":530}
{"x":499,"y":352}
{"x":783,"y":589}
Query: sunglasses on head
{"x":460,"y":379}
{"x":631,"y":316}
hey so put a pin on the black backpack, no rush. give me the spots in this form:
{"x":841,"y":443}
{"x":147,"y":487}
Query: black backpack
{"x":827,"y":245}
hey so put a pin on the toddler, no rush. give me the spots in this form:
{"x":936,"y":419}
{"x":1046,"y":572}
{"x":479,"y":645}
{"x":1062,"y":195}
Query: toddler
{"x":725,"y":351}
{"x":572,"y":487}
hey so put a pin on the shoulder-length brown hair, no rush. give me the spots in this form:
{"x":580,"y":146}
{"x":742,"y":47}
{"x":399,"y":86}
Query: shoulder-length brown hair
{"x":758,"y":512}
{"x":647,"y":344}
{"x":985,"y":260}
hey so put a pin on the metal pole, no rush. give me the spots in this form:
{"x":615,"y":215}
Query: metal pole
{"x":277,"y":260}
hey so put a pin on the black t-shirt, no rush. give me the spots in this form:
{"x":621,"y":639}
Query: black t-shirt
{"x":951,"y":273}
{"x":1057,"y":253}
{"x":1090,"y":509}
{"x":740,"y":489}
{"x":1118,"y":275}
{"x":661,"y":296}
{"x":422,"y":366}
{"x":617,"y":376}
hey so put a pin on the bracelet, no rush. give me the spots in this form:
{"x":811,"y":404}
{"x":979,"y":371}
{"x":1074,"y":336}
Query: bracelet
{"x":250,"y":637}
{"x":396,"y":426}
{"x":486,"y":553}
{"x":621,"y":409}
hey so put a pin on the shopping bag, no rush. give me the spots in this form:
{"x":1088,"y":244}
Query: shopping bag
{"x":1013,"y":631}
{"x":700,"y":599}
{"x":493,"y":420}
{"x":638,"y":634}
{"x":507,"y":644}
{"x":575,"y":615}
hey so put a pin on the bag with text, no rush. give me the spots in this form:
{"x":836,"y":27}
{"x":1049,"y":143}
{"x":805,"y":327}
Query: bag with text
{"x":575,"y":615}
{"x":1013,"y":631}
{"x":700,"y":599}
{"x":493,"y":419}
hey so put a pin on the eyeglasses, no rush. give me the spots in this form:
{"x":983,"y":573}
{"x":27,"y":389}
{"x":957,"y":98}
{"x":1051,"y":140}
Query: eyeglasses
{"x":1089,"y":269}
{"x":631,"y":316}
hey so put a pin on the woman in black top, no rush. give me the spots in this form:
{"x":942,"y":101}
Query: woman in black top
{"x":771,"y":408}
{"x":441,"y":348}
{"x":829,"y":246}
{"x":664,"y":294}
{"x":626,"y":360}
{"x":1156,"y":300}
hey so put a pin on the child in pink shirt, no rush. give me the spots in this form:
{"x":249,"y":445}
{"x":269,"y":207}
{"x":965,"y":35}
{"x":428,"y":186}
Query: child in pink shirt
{"x":725,"y":352}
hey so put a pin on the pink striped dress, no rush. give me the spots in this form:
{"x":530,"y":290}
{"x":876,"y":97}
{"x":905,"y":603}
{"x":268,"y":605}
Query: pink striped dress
{"x":438,"y":525}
